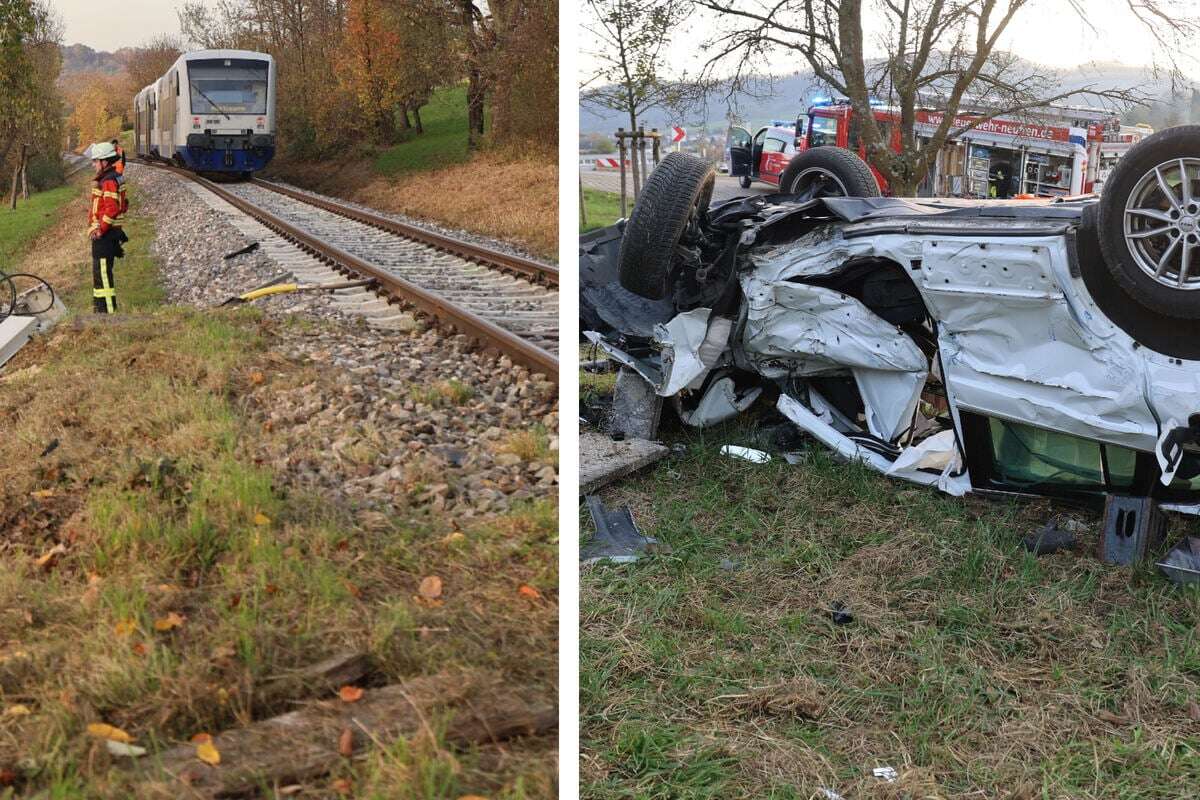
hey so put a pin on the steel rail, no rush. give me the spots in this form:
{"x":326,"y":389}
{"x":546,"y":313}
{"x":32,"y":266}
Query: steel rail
{"x":524,"y":267}
{"x":486,"y":333}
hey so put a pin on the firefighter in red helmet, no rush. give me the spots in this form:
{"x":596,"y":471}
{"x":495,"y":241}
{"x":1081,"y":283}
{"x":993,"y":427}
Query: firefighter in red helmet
{"x":108,"y":204}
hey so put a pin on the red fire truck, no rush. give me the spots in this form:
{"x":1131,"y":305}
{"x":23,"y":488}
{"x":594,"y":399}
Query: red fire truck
{"x":1055,"y":154}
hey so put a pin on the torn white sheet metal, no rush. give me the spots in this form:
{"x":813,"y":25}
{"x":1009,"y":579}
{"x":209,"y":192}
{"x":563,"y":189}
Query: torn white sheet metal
{"x":720,"y":402}
{"x":838,"y":442}
{"x":680,"y":340}
{"x":1017,"y":344}
{"x":799,"y":329}
{"x":1020,"y":337}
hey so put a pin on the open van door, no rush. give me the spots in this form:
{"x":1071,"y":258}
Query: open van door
{"x":741,"y":156}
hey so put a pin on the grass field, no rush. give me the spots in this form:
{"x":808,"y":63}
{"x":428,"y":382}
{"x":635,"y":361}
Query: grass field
{"x":600,"y":208}
{"x":973,"y":669}
{"x":443,"y":143}
{"x":155,"y":577}
{"x":18,"y":228}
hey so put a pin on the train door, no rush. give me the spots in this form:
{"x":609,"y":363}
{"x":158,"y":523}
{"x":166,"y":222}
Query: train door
{"x":152,"y":119}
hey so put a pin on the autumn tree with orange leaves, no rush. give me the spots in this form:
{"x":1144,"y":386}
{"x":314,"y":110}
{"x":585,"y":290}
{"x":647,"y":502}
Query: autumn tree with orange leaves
{"x":371,"y":65}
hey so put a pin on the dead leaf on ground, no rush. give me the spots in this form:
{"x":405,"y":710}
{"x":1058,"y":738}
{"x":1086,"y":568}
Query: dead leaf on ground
{"x":431,"y":587}
{"x":452,"y":538}
{"x":169,"y":622}
{"x":47,"y":560}
{"x":42,"y":494}
{"x":201,"y":738}
{"x":529,"y":592}
{"x":208,"y":753}
{"x":346,"y":743}
{"x":17,"y":711}
{"x":125,"y":627}
{"x":139,"y":648}
{"x":1111,"y":718}
{"x":102,"y":730}
{"x":261,"y":519}
{"x":7,"y":777}
{"x":1193,"y":711}
{"x":342,"y":786}
{"x":350,"y":694}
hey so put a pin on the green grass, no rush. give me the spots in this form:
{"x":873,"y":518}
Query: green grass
{"x":20,"y":227}
{"x":443,"y":143}
{"x":972,"y":668}
{"x":601,"y":209}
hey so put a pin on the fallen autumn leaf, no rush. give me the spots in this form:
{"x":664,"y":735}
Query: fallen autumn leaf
{"x":208,"y":753}
{"x":102,"y":730}
{"x":350,"y":694}
{"x":431,"y":587}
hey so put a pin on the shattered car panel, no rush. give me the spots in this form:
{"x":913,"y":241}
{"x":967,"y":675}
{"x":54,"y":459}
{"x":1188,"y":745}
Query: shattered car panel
{"x":1001,"y":326}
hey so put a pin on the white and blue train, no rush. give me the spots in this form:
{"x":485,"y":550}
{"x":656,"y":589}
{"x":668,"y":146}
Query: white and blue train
{"x":213,"y":111}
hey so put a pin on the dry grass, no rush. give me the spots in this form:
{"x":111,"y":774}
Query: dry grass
{"x":494,"y":194}
{"x":151,"y":503}
{"x":973,"y":669}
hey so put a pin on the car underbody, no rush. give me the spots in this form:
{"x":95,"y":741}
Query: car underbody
{"x":971,"y":346}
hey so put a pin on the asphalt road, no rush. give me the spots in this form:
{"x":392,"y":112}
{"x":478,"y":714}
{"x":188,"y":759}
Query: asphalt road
{"x":725,"y":188}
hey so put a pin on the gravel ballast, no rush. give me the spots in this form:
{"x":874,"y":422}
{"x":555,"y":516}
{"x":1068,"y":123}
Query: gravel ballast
{"x":402,"y":420}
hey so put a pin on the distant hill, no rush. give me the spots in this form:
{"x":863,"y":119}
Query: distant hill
{"x":81,"y":58}
{"x":783,"y":98}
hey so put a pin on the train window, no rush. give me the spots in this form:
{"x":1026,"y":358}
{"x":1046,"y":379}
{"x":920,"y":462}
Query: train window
{"x":228,"y":86}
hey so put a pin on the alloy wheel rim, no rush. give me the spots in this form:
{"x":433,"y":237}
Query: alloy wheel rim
{"x":1162,"y":223}
{"x":817,"y":182}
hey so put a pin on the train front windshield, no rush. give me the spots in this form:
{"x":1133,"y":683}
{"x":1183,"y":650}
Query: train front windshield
{"x":228,"y":85}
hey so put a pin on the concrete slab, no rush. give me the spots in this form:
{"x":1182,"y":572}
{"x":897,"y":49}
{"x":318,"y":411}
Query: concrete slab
{"x":602,"y":460}
{"x":14,"y":333}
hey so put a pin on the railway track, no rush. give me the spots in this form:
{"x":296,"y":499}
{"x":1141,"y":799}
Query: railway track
{"x":504,"y":302}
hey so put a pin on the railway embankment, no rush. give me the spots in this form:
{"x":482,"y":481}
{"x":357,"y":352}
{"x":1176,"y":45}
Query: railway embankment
{"x":197,"y":501}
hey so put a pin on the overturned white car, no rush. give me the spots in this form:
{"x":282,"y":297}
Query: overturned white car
{"x":1034,"y":347}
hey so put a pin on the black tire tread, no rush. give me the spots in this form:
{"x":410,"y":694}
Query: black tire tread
{"x":658,"y":220}
{"x":1176,"y":142}
{"x":852,"y":170}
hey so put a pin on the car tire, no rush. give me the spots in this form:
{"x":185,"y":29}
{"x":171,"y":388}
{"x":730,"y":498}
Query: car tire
{"x":1177,"y":338}
{"x":1148,"y":238}
{"x":744,"y":181}
{"x":675,"y":196}
{"x":828,"y":172}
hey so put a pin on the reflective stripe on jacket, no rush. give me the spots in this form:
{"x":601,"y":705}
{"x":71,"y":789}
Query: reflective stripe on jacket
{"x":108,"y":202}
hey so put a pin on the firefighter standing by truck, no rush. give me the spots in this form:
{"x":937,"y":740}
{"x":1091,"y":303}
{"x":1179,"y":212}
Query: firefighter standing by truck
{"x":108,"y":204}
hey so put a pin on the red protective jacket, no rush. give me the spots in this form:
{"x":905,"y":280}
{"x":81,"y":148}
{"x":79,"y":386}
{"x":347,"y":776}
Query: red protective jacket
{"x":108,"y":202}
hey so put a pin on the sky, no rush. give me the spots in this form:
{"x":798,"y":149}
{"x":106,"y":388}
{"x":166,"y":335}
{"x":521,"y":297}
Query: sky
{"x":1046,"y":32}
{"x":109,"y":26}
